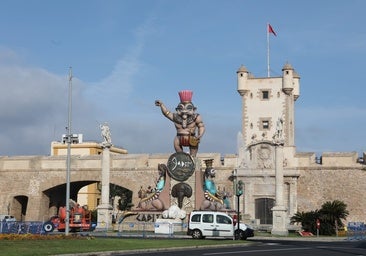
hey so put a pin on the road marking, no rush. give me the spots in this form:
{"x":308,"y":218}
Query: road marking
{"x":253,"y":251}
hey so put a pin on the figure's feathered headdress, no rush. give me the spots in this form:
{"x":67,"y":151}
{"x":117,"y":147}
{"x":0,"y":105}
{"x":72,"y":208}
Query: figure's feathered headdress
{"x":185,"y":96}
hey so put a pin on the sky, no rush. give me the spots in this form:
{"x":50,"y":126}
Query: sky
{"x":126,"y":54}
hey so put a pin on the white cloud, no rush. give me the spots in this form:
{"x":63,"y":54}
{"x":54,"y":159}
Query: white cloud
{"x":34,"y":107}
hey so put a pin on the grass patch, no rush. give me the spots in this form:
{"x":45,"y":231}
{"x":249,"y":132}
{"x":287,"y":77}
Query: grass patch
{"x":70,"y":246}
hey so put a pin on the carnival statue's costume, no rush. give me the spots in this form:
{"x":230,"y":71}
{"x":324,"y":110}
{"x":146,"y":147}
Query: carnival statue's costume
{"x":189,"y":125}
{"x":213,"y":197}
{"x":151,"y":201}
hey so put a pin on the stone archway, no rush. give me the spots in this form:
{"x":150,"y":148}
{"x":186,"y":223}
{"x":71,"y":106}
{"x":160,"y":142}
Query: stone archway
{"x":18,"y":207}
{"x":56,"y":195}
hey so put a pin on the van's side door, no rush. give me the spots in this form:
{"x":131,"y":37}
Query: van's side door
{"x":208,"y":225}
{"x":224,"y":225}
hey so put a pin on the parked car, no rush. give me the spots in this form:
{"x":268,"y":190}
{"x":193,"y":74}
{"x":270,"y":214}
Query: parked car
{"x":7,"y":218}
{"x":216,"y":224}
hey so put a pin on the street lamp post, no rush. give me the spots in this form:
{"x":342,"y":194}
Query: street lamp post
{"x":69,"y":135}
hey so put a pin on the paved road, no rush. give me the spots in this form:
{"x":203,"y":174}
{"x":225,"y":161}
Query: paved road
{"x":259,"y":246}
{"x":269,"y":247}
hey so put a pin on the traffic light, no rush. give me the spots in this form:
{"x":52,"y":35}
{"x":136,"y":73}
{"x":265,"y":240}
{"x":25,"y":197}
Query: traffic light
{"x":239,"y":188}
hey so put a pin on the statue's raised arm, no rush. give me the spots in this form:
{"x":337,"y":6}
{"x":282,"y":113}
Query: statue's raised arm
{"x":164,"y":110}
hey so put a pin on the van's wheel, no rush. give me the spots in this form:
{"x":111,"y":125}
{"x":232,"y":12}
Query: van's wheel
{"x":197,"y":234}
{"x":239,"y":234}
{"x":48,"y":226}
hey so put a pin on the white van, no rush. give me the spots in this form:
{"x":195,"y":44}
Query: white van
{"x":216,"y":224}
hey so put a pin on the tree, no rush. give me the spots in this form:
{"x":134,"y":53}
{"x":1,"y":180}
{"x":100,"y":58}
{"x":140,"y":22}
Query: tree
{"x":125,"y":195}
{"x":330,"y":215}
{"x":307,"y":220}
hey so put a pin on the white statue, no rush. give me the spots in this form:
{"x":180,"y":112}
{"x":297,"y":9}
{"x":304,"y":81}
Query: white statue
{"x":106,"y":133}
{"x":279,"y":129}
{"x":174,"y":212}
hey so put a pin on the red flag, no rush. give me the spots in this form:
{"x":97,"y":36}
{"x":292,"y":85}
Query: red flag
{"x":270,"y":30}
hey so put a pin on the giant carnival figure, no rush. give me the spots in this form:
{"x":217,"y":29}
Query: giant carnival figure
{"x":151,"y":201}
{"x":188,"y":123}
{"x":213,"y":198}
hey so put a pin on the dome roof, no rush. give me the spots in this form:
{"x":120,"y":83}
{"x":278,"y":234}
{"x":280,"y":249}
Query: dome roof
{"x":242,"y":69}
{"x":287,"y":66}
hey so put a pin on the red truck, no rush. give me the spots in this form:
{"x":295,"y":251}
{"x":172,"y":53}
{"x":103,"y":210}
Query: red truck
{"x":80,"y":220}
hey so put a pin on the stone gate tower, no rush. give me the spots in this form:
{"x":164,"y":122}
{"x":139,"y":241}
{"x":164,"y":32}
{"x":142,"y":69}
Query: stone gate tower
{"x":268,"y":129}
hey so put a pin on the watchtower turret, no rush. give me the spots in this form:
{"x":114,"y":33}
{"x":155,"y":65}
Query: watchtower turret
{"x":288,"y":78}
{"x":242,"y":75}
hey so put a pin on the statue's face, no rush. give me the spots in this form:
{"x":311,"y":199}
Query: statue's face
{"x":210,"y":172}
{"x":185,"y":109}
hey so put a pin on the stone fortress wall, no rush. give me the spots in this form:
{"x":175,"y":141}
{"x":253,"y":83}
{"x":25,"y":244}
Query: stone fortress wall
{"x":338,"y":176}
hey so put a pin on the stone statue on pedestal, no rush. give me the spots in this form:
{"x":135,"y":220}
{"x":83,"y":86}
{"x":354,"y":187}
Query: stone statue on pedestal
{"x":106,"y":133}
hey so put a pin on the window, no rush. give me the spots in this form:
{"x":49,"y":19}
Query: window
{"x":223,"y":219}
{"x":207,"y":218}
{"x":264,"y":124}
{"x":265,"y":95}
{"x":196,"y":218}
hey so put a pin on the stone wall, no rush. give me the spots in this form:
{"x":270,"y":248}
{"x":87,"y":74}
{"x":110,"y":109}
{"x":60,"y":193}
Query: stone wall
{"x":318,"y":185}
{"x":338,"y":176}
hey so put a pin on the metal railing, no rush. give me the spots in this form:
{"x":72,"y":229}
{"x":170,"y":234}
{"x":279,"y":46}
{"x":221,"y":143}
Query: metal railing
{"x":145,"y":229}
{"x":124,"y":229}
{"x":21,"y":227}
{"x":356,"y":231}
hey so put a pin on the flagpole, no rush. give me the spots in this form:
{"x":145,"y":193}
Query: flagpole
{"x":268,"y":68}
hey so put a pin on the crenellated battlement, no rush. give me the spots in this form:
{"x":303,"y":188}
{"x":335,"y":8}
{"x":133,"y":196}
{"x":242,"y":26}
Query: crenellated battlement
{"x":331,"y":159}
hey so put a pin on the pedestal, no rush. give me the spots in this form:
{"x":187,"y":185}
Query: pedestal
{"x":279,"y":221}
{"x":104,"y":222}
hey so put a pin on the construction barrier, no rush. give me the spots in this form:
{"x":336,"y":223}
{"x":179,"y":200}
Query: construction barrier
{"x":356,"y":231}
{"x":144,"y":229}
{"x":21,"y":227}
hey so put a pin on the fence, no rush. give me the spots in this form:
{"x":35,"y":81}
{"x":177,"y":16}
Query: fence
{"x":144,"y":229}
{"x":124,"y":229}
{"x":18,"y":227}
{"x":356,"y":231}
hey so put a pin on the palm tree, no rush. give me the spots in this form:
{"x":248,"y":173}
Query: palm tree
{"x":332,"y":214}
{"x":307,"y":220}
